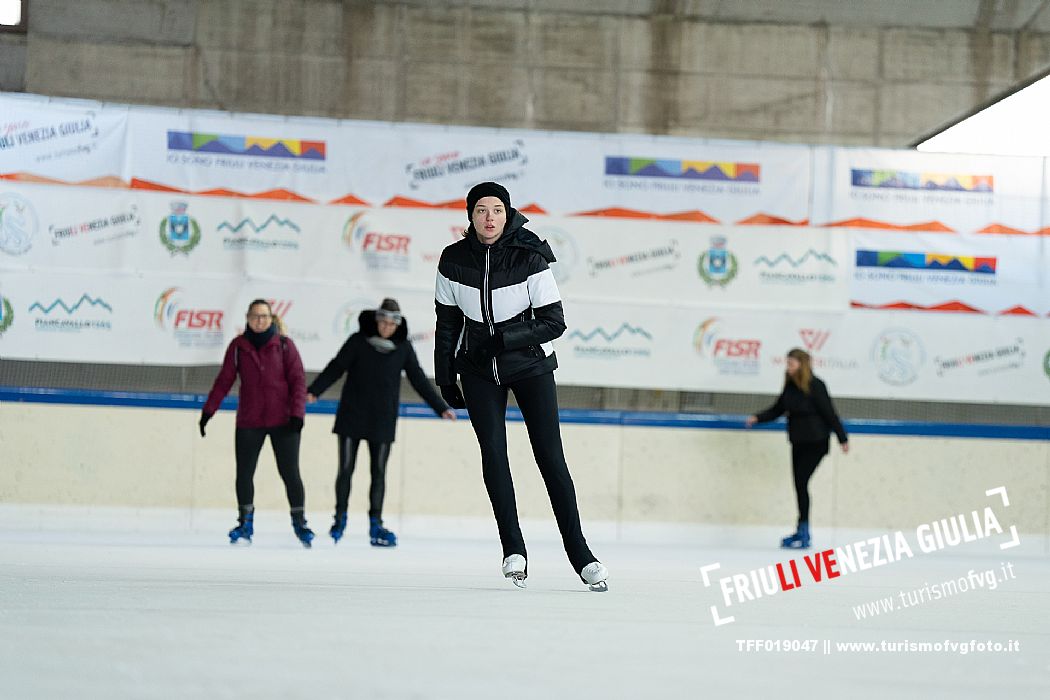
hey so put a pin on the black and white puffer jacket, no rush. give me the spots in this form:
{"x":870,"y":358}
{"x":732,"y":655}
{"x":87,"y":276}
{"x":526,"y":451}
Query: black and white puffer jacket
{"x":506,"y":288}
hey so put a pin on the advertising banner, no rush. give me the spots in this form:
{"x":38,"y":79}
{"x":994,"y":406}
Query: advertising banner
{"x":63,"y":141}
{"x":141,"y":234}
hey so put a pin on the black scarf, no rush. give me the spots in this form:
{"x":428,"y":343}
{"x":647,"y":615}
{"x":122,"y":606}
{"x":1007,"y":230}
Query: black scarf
{"x":259,"y":339}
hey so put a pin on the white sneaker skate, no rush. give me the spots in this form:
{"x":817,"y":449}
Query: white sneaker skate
{"x":514,"y":569}
{"x":594,"y":575}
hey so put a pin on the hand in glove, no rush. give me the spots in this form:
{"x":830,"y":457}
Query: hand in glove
{"x":205,"y":417}
{"x":295,"y":423}
{"x":453,"y":396}
{"x":487,"y":349}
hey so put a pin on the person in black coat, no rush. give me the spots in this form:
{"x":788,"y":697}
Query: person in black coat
{"x":372,"y":359}
{"x":498,"y":309}
{"x":811,"y":420}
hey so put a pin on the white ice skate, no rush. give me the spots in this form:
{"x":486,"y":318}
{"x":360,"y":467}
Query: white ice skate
{"x":514,"y":569}
{"x":594,"y":575}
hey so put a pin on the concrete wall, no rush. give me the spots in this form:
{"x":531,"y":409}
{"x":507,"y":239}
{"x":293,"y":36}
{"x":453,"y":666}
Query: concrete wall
{"x":655,"y":66}
{"x":143,"y":458}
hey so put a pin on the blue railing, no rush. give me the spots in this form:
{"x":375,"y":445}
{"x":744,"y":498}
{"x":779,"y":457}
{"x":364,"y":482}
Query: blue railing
{"x":643,"y":419}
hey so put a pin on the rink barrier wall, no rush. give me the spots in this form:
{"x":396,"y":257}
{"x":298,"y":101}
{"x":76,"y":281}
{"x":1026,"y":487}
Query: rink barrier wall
{"x":641,"y":419}
{"x":632,"y":470}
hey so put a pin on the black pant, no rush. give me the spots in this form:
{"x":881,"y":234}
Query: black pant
{"x":805,"y":457}
{"x":537,"y":398}
{"x":379,"y":453}
{"x":248,"y":443}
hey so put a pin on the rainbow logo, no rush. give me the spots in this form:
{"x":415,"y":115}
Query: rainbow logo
{"x":164,"y":305}
{"x":257,"y":146}
{"x":938,"y":182}
{"x":683,"y":169}
{"x":930,"y":262}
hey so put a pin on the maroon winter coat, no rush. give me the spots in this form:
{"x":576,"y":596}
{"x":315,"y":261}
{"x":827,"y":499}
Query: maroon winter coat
{"x":273,"y":382}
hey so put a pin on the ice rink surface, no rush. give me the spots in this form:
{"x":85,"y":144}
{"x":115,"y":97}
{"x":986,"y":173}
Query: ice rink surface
{"x":143,"y":604}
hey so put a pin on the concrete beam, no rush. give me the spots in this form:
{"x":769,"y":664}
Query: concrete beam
{"x":12,"y":62}
{"x":161,"y":22}
{"x":146,"y":74}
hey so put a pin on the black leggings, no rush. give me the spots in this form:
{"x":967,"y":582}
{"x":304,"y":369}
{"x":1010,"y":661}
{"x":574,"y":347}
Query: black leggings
{"x":248,"y":444}
{"x":805,"y":457}
{"x":537,"y":398}
{"x":379,"y":452}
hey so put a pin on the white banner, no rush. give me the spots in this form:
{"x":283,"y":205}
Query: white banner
{"x":935,"y":192}
{"x":684,"y":264}
{"x":63,"y":141}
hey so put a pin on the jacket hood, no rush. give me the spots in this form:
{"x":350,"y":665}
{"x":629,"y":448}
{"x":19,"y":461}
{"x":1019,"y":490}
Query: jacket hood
{"x":515,"y":235}
{"x":367,"y":322}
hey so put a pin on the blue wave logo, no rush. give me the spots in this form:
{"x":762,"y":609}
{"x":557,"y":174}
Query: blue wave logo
{"x":273,"y":219}
{"x":795,"y":262}
{"x":70,"y":310}
{"x":611,"y":337}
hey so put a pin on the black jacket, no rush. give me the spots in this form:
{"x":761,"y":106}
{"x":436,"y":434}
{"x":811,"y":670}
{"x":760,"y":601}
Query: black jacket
{"x":504,"y":289}
{"x":368,"y":406}
{"x":811,"y":417}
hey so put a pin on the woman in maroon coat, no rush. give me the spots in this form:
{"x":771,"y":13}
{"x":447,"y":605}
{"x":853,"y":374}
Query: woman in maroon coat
{"x":272,"y":402}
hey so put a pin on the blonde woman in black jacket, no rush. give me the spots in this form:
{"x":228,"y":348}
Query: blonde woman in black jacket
{"x":811,"y":420}
{"x":498,"y":309}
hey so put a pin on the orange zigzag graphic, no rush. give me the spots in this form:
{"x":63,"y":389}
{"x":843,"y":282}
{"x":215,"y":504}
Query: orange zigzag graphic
{"x":948,"y":306}
{"x":622,"y":213}
{"x":860,"y":222}
{"x":770,"y":220}
{"x":106,"y":181}
{"x":279,"y":194}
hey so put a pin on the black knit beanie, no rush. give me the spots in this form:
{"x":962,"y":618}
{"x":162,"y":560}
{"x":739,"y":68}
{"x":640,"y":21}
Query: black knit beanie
{"x":487,"y":189}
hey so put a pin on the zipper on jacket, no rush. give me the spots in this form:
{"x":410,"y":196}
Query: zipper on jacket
{"x":486,"y":304}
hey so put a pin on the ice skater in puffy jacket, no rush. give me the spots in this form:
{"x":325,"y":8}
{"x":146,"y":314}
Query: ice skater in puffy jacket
{"x":811,"y":420}
{"x":372,"y":359}
{"x":272,"y":403}
{"x":498,"y":309}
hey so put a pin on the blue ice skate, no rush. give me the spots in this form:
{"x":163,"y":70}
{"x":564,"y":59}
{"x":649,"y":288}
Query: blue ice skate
{"x":338,"y":526}
{"x":379,"y":535}
{"x":242,"y":534}
{"x":305,"y":534}
{"x":799,"y":540}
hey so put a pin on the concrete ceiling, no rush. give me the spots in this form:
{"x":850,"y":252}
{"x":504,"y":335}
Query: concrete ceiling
{"x":994,"y":15}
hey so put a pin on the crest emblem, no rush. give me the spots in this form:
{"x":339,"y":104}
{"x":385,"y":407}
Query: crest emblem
{"x":179,"y":232}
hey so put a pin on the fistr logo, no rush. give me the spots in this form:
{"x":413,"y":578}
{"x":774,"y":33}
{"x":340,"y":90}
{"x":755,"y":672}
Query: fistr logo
{"x":18,"y":224}
{"x":190,"y":326}
{"x":380,"y":250}
{"x":717,"y":266}
{"x":179,"y":232}
{"x":730,"y":355}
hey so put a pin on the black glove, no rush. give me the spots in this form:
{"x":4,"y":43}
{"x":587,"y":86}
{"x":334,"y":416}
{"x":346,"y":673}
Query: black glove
{"x":205,"y":417}
{"x":295,"y":423}
{"x":453,"y":396}
{"x":487,"y":349}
